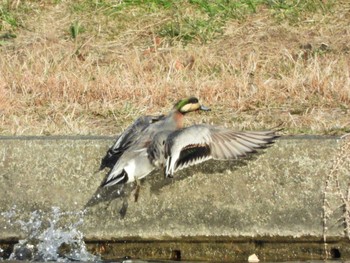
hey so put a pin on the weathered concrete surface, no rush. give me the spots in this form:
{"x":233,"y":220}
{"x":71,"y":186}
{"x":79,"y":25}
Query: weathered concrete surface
{"x":276,"y":194}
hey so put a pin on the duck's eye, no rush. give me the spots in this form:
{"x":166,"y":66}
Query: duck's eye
{"x":193,"y":100}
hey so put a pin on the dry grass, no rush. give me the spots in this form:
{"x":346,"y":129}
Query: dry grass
{"x":261,"y":73}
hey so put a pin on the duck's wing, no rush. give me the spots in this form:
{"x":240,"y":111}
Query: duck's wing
{"x":198,"y":143}
{"x":126,"y":139}
{"x":156,"y":148}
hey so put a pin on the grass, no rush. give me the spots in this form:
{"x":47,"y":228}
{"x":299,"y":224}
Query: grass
{"x":91,"y":67}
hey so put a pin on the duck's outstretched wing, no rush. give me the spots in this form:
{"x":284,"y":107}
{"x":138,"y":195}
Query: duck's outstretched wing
{"x":126,"y":139}
{"x":198,"y":143}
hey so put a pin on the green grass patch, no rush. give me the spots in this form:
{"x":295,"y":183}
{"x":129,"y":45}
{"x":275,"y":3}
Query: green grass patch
{"x":198,"y":21}
{"x":7,"y":18}
{"x":75,"y":29}
{"x":296,"y":11}
{"x":201,"y":20}
{"x":13,"y":13}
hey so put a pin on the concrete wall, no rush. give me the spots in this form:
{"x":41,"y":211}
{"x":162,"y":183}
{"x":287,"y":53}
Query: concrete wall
{"x":275,"y":194}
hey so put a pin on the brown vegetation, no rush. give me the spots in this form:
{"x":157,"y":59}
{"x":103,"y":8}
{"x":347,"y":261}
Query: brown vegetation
{"x":261,"y":73}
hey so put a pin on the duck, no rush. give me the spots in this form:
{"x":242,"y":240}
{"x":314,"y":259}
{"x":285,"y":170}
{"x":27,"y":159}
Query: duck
{"x":130,"y":147}
{"x":163,"y":143}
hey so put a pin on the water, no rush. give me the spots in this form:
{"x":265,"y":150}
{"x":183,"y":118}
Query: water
{"x":47,"y":239}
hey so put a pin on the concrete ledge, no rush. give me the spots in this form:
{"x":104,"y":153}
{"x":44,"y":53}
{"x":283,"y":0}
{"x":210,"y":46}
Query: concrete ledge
{"x":278,"y":194}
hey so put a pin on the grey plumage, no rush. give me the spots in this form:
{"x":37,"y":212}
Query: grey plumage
{"x":160,"y":142}
{"x":126,"y":139}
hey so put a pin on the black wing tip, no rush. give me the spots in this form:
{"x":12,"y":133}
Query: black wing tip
{"x":269,"y":143}
{"x":272,"y":136}
{"x":102,"y":166}
{"x":109,"y":160}
{"x":273,"y":139}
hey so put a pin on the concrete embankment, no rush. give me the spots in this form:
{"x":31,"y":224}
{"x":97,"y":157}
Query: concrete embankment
{"x":271,"y":203}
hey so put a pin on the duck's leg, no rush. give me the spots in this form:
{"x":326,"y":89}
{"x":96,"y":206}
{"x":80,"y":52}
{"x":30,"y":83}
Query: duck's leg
{"x":123,"y":194}
{"x":137,"y":191}
{"x":126,"y":196}
{"x":124,"y":208}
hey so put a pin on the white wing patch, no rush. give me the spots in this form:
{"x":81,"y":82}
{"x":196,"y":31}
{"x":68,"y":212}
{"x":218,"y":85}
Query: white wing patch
{"x":200,"y":143}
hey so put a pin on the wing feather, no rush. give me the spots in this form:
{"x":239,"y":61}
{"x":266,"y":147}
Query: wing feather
{"x":125,"y":140}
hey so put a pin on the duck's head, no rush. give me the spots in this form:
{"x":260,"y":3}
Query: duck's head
{"x":189,"y":104}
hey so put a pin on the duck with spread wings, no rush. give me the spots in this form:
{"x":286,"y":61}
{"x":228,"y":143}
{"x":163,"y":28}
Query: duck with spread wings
{"x":161,"y":142}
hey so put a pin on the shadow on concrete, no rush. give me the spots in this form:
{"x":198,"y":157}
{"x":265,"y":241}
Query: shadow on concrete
{"x":207,"y":168}
{"x":108,"y":194}
{"x":158,"y":182}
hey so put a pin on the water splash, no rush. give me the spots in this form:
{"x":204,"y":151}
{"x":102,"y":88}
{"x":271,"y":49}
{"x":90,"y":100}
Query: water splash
{"x":47,"y":239}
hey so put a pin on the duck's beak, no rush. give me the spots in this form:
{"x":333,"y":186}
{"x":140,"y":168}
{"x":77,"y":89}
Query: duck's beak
{"x":204,"y":108}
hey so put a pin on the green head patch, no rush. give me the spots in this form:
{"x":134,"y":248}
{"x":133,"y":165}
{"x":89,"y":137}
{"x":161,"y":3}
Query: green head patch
{"x":182,"y":103}
{"x":188,"y":105}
